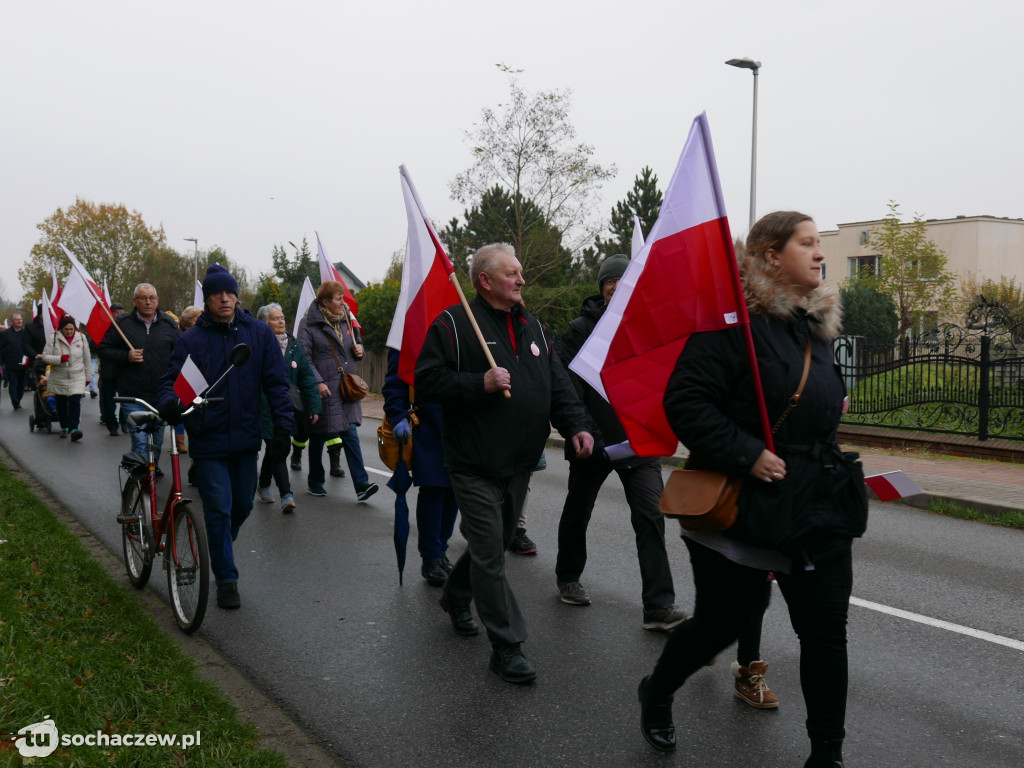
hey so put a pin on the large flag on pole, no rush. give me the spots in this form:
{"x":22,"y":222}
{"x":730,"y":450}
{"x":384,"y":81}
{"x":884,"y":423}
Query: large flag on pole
{"x":683,"y":281}
{"x":427,"y":288}
{"x":54,"y":285}
{"x":329,"y":272}
{"x":83,"y":299}
{"x":306,"y":297}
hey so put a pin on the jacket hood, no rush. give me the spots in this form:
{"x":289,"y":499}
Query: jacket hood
{"x":768,"y":296}
{"x":593,"y":307}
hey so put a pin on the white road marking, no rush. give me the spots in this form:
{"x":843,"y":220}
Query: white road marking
{"x":975,"y":633}
{"x":387,"y":473}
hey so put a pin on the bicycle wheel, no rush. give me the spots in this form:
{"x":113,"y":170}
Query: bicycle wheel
{"x":136,"y":538}
{"x":188,"y":571}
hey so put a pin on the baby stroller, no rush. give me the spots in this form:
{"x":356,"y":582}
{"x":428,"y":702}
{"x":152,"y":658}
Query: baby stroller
{"x":43,"y":402}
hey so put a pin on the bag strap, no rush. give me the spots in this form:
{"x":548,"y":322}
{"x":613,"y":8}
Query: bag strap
{"x":794,"y":401}
{"x":337,"y":362}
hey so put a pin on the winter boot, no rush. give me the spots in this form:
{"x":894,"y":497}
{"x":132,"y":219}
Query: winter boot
{"x":825,"y":754}
{"x":296,"y":458}
{"x":179,"y":442}
{"x":751,"y":687}
{"x":335,"y":456}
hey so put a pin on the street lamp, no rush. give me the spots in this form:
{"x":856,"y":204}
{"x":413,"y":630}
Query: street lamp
{"x":195,"y":270}
{"x":753,"y":66}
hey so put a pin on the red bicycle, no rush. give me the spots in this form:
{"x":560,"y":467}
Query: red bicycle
{"x":178,"y":532}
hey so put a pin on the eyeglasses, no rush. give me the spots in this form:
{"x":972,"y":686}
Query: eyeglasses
{"x":145,"y":298}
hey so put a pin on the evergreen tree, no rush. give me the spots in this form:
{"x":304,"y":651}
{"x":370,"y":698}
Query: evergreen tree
{"x":644,"y":200}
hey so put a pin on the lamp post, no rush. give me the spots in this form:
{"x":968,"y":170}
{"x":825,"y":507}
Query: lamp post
{"x":753,"y":66}
{"x":195,"y":270}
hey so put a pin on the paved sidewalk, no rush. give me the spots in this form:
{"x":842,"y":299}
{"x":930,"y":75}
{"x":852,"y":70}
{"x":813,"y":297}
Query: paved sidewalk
{"x":992,"y":486}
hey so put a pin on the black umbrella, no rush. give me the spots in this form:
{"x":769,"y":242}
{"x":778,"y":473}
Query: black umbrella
{"x":399,"y":483}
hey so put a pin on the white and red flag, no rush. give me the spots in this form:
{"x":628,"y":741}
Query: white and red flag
{"x":306,"y":297}
{"x":197,"y":295}
{"x":54,"y":285}
{"x":427,"y":286}
{"x":329,"y":272}
{"x":638,"y":237}
{"x":83,"y":299}
{"x":49,"y":318}
{"x":684,"y":280}
{"x":190,"y":382}
{"x":889,"y":486}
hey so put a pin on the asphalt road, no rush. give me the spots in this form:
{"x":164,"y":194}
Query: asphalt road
{"x":373,"y":670}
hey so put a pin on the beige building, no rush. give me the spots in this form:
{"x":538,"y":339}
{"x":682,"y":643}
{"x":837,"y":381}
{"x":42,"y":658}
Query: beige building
{"x":985,"y":246}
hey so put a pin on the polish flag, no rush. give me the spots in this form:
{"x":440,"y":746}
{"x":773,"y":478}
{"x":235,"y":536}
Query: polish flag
{"x":427,"y":286}
{"x":197,"y":295}
{"x":48,"y":315}
{"x":54,"y":285}
{"x":683,"y":281}
{"x":638,"y":237}
{"x":190,"y":382}
{"x":106,"y":292}
{"x":83,"y":299}
{"x":306,"y":298}
{"x":328,"y":272}
{"x":889,"y":486}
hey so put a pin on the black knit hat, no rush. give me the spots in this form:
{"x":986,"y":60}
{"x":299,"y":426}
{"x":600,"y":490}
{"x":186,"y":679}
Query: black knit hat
{"x":612,"y":267}
{"x":218,"y":279}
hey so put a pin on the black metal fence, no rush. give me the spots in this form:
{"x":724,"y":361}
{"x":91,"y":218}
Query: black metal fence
{"x":960,"y":380}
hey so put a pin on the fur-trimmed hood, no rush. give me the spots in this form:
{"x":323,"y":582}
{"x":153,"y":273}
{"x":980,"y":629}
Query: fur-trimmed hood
{"x":768,"y":296}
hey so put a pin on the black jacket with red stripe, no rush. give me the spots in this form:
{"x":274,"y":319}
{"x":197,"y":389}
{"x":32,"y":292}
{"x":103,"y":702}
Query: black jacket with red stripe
{"x":489,"y":434}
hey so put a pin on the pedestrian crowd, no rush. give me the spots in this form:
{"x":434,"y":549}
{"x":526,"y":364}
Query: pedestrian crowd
{"x":490,"y":382}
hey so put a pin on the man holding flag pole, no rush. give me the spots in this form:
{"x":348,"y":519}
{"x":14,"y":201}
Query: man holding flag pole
{"x":501,"y":385}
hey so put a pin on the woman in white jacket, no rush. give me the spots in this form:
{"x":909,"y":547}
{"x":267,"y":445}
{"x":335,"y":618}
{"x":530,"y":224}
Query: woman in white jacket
{"x":67,"y":354}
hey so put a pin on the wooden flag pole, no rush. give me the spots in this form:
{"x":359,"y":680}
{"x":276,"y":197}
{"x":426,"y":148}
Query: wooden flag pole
{"x":476,"y":328}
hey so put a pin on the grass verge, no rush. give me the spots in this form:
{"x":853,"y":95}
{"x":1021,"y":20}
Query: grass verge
{"x":77,"y":648}
{"x":1009,"y":519}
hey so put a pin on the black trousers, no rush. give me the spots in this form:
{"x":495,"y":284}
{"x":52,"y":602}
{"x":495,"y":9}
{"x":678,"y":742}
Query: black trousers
{"x":279,"y":472}
{"x":729,"y":595}
{"x":643,"y":486}
{"x":108,"y":408}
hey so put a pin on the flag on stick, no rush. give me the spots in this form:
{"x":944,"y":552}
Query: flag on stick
{"x":889,"y":486}
{"x":197,"y":295}
{"x":106,"y":292}
{"x":683,"y":281}
{"x":427,"y":287}
{"x":83,"y":299}
{"x":328,"y":272}
{"x":190,"y":382}
{"x":306,"y":298}
{"x":54,"y":285}
{"x":49,"y":321}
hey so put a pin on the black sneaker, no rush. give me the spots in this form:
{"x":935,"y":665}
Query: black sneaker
{"x":316,"y":490}
{"x":227,"y":596}
{"x":508,"y":662}
{"x":366,"y":491}
{"x":522,"y":544}
{"x":76,"y":435}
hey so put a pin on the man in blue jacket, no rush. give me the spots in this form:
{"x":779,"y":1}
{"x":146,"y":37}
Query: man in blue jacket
{"x":225,"y":438}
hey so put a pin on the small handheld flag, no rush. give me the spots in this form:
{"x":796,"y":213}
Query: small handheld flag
{"x":190,"y":382}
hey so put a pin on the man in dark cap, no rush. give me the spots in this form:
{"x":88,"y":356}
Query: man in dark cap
{"x":225,"y":438}
{"x":641,"y":480}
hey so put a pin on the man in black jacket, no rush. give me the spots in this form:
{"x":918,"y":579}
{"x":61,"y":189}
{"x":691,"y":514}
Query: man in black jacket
{"x":641,"y":480}
{"x":495,"y":424}
{"x":152,"y":334}
{"x":14,"y":348}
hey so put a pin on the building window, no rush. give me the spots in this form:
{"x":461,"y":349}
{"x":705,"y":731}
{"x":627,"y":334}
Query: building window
{"x":863,"y":266}
{"x":865,"y":237}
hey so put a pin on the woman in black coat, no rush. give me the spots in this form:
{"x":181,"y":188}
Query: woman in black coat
{"x":801,"y":505}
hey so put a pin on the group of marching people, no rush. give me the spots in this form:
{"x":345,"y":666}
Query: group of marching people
{"x":480,"y":415}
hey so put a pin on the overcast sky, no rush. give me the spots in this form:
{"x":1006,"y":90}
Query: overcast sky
{"x":249,"y":124}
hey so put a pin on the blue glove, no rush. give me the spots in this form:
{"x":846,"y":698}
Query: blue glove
{"x":402,"y":430}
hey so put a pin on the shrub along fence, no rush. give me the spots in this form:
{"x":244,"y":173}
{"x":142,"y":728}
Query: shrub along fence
{"x":959,"y":380}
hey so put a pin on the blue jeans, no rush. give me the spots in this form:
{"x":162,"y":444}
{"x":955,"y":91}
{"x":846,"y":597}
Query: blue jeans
{"x":353,"y":455}
{"x":226,"y":487}
{"x":139,"y":435}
